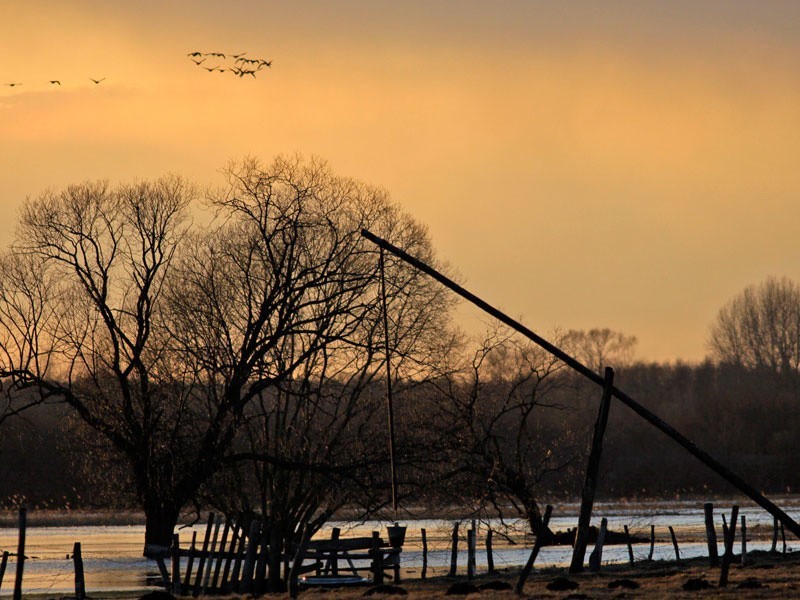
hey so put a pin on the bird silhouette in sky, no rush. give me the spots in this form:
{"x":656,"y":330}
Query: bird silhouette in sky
{"x":55,"y":82}
{"x":96,"y":81}
{"x":241,"y":66}
{"x":12,"y":84}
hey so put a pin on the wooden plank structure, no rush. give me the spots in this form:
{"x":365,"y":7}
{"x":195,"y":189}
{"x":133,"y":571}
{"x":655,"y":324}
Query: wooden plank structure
{"x":240,"y":564}
{"x":716,"y":466}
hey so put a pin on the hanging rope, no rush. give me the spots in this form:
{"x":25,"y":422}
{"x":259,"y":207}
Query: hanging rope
{"x":389,"y":403}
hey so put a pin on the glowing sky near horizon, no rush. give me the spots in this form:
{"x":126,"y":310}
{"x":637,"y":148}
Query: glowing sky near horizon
{"x":629,"y":165}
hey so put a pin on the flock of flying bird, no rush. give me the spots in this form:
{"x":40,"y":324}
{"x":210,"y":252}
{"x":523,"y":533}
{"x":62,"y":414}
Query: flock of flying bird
{"x":55,"y":82}
{"x":241,"y":66}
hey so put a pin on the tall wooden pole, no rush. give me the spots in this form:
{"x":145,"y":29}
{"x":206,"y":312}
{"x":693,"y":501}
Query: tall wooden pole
{"x":576,"y":365}
{"x":389,"y":399}
{"x":23,"y":521}
{"x":592,"y":470}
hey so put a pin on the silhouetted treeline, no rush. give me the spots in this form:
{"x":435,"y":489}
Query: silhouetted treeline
{"x":745,"y":418}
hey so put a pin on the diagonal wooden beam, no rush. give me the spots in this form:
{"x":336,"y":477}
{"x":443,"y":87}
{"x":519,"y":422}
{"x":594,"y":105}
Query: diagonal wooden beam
{"x":720,"y":469}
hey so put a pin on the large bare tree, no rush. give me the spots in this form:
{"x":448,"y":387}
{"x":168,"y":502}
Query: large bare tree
{"x":160,"y":336}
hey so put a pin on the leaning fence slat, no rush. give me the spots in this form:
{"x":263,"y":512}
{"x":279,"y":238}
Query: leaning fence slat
{"x":201,"y":567}
{"x":187,"y":580}
{"x":213,"y":554}
{"x":652,"y":542}
{"x":628,"y":543}
{"x":675,"y":544}
{"x":223,"y":556}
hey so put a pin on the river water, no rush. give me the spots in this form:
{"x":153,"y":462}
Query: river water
{"x":112,"y":554}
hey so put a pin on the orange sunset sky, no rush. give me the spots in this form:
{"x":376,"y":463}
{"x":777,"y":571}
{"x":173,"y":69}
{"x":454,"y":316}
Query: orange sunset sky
{"x":630,"y":165}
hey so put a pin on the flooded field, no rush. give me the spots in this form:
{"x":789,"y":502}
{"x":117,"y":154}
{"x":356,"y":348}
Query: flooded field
{"x":112,"y":554}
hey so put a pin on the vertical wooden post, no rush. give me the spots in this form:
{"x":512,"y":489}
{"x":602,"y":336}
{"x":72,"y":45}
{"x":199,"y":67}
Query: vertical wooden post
{"x":297,"y":562}
{"x":596,"y":557}
{"x":628,"y":542}
{"x":711,"y":534}
{"x":424,"y":554}
{"x":23,"y":521}
{"x":454,"y":552}
{"x":744,"y":540}
{"x":260,"y":577}
{"x":592,"y":470}
{"x":774,"y":534}
{"x":489,"y":552}
{"x":471,"y":553}
{"x":77,"y":561}
{"x":652,"y":542}
{"x":377,"y":559}
{"x":3,"y":564}
{"x":537,"y":545}
{"x":730,"y":537}
{"x":333,"y":561}
{"x":176,"y":565}
{"x":250,"y":556}
{"x":783,"y":537}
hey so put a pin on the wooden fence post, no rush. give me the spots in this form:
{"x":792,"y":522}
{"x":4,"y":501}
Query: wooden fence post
{"x":675,"y":544}
{"x":23,"y":521}
{"x":730,"y":537}
{"x":3,"y":564}
{"x":250,"y":556}
{"x":596,"y":557}
{"x":489,"y":552}
{"x":377,"y":559}
{"x":424,"y":554}
{"x":744,"y":540}
{"x":77,"y":561}
{"x":652,"y":542}
{"x":711,"y":534}
{"x":471,"y":553}
{"x":537,"y":545}
{"x":454,"y":552}
{"x":774,"y":534}
{"x":176,"y":564}
{"x":592,"y":471}
{"x":628,"y":543}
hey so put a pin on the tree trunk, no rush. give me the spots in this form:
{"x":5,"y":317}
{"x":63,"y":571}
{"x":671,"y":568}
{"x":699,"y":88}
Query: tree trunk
{"x":160,"y":519}
{"x":538,"y":527}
